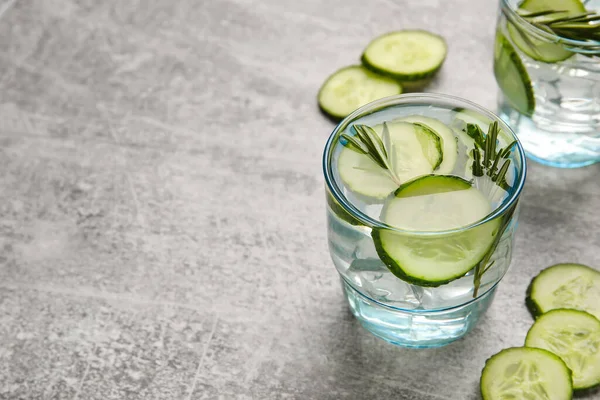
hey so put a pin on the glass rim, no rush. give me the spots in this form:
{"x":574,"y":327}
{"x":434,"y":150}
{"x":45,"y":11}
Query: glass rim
{"x":408,"y":99}
{"x":514,"y":16}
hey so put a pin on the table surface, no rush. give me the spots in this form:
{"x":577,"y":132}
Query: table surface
{"x":162,"y":208}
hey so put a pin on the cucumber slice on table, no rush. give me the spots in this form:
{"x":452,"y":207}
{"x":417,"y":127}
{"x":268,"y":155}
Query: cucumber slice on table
{"x":447,"y":138}
{"x":434,"y":203}
{"x":573,"y":286}
{"x":520,"y":373}
{"x":512,"y":77}
{"x":418,"y":151}
{"x":542,"y":50}
{"x":409,"y":55}
{"x":352,"y":87}
{"x":574,"y":336}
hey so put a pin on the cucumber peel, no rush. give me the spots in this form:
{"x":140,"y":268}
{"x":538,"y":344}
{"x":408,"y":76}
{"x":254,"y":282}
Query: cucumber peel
{"x":574,"y":336}
{"x":520,"y":373}
{"x":447,"y":139}
{"x":428,"y":204}
{"x":407,"y":55}
{"x":352,"y":87}
{"x":565,"y":285}
{"x":512,"y":77}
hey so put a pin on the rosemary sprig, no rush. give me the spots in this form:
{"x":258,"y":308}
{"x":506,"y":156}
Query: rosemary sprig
{"x":485,"y":264}
{"x":487,"y":164}
{"x":380,"y":150}
{"x":492,"y":157}
{"x":581,"y":27}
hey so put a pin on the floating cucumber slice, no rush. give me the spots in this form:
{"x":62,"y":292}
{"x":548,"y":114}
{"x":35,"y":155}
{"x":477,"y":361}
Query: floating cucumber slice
{"x":447,"y":138}
{"x":539,"y":50}
{"x":572,"y":7}
{"x":574,"y":336}
{"x":512,"y":76}
{"x":352,"y":87}
{"x":418,"y":151}
{"x":542,"y":50}
{"x":409,"y":55}
{"x":520,"y":373}
{"x":434,"y":203}
{"x":431,"y":144}
{"x":573,"y":286}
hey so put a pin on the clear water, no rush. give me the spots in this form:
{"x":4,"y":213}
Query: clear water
{"x":564,"y":130}
{"x":399,"y":312}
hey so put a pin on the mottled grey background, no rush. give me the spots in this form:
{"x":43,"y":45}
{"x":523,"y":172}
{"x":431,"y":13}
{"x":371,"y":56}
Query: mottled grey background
{"x":162,"y":212}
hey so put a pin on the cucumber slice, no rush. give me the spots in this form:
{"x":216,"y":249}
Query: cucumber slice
{"x":519,"y":373}
{"x":574,"y":336}
{"x":352,"y":87}
{"x":409,"y":55}
{"x":572,"y":7}
{"x":447,"y":138}
{"x":434,"y":203}
{"x":573,"y":286}
{"x":537,"y":49}
{"x":542,"y":50}
{"x":512,"y":76}
{"x":431,"y":144}
{"x":415,"y":149}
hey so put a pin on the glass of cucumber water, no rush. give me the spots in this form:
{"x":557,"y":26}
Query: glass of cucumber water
{"x":422,"y":200}
{"x":547,"y":65}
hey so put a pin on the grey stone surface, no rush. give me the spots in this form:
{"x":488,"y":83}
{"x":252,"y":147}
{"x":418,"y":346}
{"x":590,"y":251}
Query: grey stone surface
{"x":162,"y":211}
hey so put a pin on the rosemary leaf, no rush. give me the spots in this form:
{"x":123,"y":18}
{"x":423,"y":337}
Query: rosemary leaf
{"x":477,"y":169}
{"x":378,"y":145}
{"x":506,"y":152}
{"x":387,"y":140}
{"x":539,"y":13}
{"x":475,"y":132}
{"x":354,"y":144}
{"x":574,"y":27}
{"x":492,"y":138}
{"x":390,"y":150}
{"x":381,"y":152}
{"x":494,"y":167}
{"x":502,"y":173}
{"x":370,"y":146}
{"x":582,"y":18}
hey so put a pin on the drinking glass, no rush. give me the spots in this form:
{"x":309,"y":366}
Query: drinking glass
{"x":549,"y":89}
{"x":402,"y":311}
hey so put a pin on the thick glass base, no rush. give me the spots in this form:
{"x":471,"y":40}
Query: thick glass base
{"x":553,"y":142}
{"x":416,"y":328}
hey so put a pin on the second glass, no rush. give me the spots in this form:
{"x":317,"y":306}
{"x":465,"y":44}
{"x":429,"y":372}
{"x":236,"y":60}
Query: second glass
{"x":549,"y":86}
{"x":420,"y":242}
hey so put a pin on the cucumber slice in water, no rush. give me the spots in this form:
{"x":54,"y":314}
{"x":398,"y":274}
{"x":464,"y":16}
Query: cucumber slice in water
{"x":520,"y":373}
{"x":448,"y":140}
{"x":571,"y":6}
{"x":573,"y":286}
{"x":418,"y":151}
{"x":512,"y":77}
{"x":542,"y":50}
{"x":352,"y":87}
{"x":574,"y":336}
{"x":434,"y":203}
{"x":409,"y":55}
{"x":539,"y":50}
